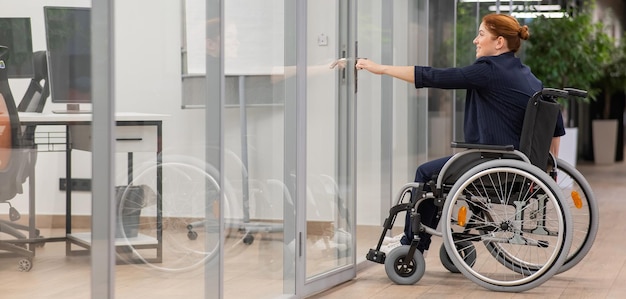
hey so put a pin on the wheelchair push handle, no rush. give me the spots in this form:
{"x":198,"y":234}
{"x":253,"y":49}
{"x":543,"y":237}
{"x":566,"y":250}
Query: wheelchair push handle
{"x":561,"y":93}
{"x":576,"y":92}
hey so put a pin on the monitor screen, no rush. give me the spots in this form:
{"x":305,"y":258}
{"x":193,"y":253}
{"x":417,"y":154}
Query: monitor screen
{"x":15,"y":34}
{"x":68,"y":38}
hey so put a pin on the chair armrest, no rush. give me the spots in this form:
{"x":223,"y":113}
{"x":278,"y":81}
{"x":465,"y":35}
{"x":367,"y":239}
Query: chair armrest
{"x":508,"y":148}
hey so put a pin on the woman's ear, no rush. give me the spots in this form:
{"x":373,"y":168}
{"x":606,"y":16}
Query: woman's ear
{"x":500,"y":42}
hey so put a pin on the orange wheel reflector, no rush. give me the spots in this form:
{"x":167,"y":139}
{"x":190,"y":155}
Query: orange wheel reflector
{"x":578,"y":202}
{"x":462,"y":217}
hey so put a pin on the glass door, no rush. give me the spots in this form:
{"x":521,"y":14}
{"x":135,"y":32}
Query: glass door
{"x":287,"y":142}
{"x":328,"y":178}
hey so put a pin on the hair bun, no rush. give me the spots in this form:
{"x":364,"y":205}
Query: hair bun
{"x":523,"y":32}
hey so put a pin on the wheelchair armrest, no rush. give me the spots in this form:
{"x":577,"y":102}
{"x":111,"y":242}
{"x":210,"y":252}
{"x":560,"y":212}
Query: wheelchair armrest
{"x":508,"y":148}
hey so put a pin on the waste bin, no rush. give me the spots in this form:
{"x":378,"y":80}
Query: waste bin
{"x":129,"y":202}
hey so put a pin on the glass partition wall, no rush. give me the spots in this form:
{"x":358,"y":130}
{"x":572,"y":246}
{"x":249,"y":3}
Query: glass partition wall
{"x":227,"y":155}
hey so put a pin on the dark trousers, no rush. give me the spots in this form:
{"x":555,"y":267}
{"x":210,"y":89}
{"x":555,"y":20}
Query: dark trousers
{"x":427,"y":209}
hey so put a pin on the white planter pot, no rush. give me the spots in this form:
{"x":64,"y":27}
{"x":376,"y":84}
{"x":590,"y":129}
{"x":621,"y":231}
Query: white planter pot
{"x":568,"y":148}
{"x":604,"y":140}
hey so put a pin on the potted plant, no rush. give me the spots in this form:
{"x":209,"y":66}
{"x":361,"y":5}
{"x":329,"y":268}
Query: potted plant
{"x":607,"y":111}
{"x":567,"y":52}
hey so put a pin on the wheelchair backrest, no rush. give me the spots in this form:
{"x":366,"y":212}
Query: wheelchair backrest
{"x":538,"y":129}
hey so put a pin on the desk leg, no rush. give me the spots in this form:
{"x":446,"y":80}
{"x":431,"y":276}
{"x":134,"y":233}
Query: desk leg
{"x":159,"y":194}
{"x":68,"y":190}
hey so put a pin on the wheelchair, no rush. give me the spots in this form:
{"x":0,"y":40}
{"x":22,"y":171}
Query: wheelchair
{"x":535,"y":215}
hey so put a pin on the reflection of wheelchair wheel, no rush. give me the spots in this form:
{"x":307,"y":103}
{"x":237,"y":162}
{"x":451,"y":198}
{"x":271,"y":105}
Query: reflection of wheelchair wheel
{"x":515,"y":209}
{"x":584,"y":209}
{"x":403,"y":274}
{"x":466,"y":250}
{"x":188,"y":191}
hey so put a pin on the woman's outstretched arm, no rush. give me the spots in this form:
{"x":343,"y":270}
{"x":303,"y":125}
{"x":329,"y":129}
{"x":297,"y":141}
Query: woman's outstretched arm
{"x":406,"y":73}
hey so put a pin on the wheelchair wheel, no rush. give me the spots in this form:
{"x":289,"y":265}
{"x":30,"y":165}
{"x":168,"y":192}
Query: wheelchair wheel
{"x":583,"y":207}
{"x":401,"y":274}
{"x":515,"y":209}
{"x":466,"y":250}
{"x":584,"y":210}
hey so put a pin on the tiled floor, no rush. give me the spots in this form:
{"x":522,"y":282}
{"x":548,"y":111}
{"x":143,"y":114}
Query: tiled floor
{"x":602,"y":274}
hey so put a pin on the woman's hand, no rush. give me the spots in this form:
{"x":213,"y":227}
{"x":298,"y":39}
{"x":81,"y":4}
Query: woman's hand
{"x":370,"y":66}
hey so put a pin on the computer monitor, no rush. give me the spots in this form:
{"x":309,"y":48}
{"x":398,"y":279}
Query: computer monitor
{"x":15,"y":34}
{"x":68,"y":38}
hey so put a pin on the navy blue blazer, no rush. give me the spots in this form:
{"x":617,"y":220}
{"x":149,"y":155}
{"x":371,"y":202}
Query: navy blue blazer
{"x":498,"y":89}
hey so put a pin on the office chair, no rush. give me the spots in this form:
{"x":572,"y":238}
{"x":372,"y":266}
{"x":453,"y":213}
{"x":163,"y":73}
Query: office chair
{"x":34,"y":100}
{"x":14,"y":161}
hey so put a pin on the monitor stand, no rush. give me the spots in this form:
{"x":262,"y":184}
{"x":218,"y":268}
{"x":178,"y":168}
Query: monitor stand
{"x":72,"y":109}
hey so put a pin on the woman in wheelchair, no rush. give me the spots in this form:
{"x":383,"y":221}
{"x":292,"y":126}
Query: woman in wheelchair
{"x":498,"y":88}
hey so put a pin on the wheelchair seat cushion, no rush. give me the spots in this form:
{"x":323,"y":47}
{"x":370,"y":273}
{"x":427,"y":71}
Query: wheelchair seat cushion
{"x":463,"y":163}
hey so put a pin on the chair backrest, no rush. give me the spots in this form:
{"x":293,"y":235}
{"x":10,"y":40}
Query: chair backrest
{"x":5,"y":90}
{"x":38,"y":90}
{"x":538,"y":128}
{"x":6,"y":137}
{"x":12,"y":157}
{"x":36,"y":95}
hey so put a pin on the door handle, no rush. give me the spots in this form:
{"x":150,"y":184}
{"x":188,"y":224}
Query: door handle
{"x":339,"y":63}
{"x":356,"y":72}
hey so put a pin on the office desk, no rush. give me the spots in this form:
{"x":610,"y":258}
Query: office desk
{"x":135,"y":132}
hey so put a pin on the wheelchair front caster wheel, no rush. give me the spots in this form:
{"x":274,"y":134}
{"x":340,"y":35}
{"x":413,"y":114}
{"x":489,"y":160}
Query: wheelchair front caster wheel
{"x":403,"y":274}
{"x":192,"y":235}
{"x":24,"y":265}
{"x":466,"y":250}
{"x":248,"y":239}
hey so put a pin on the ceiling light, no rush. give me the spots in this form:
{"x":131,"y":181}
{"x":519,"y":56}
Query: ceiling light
{"x":494,"y":1}
{"x":532,"y":15}
{"x":526,"y":7}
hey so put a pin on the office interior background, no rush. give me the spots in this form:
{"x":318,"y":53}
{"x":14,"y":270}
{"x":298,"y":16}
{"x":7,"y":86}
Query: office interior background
{"x":287,"y":163}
